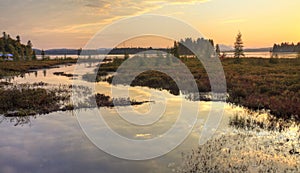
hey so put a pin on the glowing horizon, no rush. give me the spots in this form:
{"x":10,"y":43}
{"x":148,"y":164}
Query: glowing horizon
{"x":71,"y":23}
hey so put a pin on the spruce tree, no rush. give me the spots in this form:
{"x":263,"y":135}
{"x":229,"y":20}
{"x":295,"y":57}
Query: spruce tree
{"x":218,"y":51}
{"x":238,"y":48}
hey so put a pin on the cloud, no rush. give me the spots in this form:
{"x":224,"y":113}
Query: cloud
{"x":177,"y":1}
{"x":44,"y":18}
{"x":133,"y":6}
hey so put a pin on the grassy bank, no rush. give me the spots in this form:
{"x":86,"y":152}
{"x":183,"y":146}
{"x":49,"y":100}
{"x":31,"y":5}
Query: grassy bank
{"x":255,"y":83}
{"x":25,"y":100}
{"x":12,"y":68}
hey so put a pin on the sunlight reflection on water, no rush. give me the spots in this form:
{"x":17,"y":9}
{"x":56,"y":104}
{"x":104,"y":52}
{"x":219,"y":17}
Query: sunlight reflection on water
{"x":56,"y":143}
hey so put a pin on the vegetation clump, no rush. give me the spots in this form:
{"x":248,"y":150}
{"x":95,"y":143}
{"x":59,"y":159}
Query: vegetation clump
{"x":25,"y":100}
{"x":102,"y":100}
{"x":65,"y":74}
{"x":41,"y":98}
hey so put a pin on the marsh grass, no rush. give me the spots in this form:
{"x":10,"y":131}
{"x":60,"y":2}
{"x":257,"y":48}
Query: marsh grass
{"x":13,"y":68}
{"x":255,"y":83}
{"x":261,"y":120}
{"x":245,"y":152}
{"x":255,"y":142}
{"x":26,"y":100}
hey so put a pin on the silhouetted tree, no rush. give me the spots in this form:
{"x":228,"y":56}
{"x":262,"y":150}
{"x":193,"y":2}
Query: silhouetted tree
{"x":43,"y":54}
{"x":79,"y":52}
{"x":4,"y":35}
{"x":211,"y":42}
{"x":33,"y":55}
{"x":218,"y":51}
{"x":238,"y":48}
{"x":2,"y":46}
{"x":18,"y":39}
{"x":175,"y":51}
{"x":28,"y":50}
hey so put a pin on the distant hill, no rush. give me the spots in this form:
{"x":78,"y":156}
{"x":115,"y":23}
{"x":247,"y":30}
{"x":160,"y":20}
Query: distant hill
{"x":115,"y":51}
{"x":224,"y":47}
{"x":62,"y":51}
{"x":265,"y":49}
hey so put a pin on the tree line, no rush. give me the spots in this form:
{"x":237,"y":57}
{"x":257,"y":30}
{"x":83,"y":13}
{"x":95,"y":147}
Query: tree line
{"x":206,"y":48}
{"x":286,"y":47}
{"x":189,"y":46}
{"x":19,"y":51}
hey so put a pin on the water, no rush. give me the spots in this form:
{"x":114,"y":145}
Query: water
{"x":56,"y":143}
{"x":99,"y":56}
{"x":265,"y":54}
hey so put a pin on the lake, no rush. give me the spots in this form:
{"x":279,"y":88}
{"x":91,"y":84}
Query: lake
{"x":56,"y":142}
{"x":265,"y":54}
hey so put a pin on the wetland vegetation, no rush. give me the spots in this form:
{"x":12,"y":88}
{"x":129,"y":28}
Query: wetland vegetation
{"x":255,"y":83}
{"x":14,"y":68}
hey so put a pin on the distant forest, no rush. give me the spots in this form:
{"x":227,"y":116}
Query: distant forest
{"x":114,"y":51}
{"x":19,"y":51}
{"x":189,"y":46}
{"x":286,"y":47}
{"x":179,"y":47}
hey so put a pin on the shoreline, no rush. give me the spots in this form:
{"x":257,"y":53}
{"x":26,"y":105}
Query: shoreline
{"x":15,"y":68}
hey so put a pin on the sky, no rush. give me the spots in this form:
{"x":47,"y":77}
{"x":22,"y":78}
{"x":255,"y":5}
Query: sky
{"x":72,"y":23}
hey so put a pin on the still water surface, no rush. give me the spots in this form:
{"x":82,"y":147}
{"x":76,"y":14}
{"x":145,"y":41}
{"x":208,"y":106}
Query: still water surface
{"x":56,"y":143}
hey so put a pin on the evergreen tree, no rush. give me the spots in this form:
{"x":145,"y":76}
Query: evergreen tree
{"x":2,"y":50}
{"x":211,"y":42}
{"x":43,"y":54}
{"x":218,"y":51}
{"x":28,"y":50}
{"x":79,"y":52}
{"x":29,"y":44}
{"x":238,"y":48}
{"x":175,"y":51}
{"x":4,"y":35}
{"x":18,"y":39}
{"x":33,"y":55}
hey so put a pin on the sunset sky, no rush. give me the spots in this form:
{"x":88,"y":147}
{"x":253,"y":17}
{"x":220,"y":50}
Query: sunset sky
{"x":71,"y":23}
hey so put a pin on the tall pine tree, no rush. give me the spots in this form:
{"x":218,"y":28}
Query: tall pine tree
{"x":218,"y":51}
{"x":238,"y":48}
